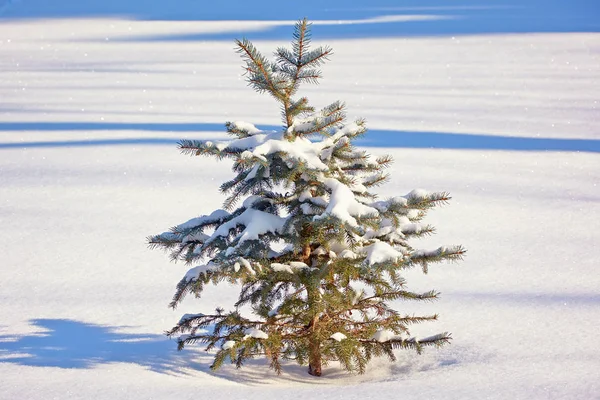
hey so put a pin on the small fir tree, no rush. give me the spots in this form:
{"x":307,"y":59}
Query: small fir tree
{"x":318,"y":257}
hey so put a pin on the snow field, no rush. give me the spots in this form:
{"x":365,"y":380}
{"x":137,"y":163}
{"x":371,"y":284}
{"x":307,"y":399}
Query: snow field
{"x":88,"y":168}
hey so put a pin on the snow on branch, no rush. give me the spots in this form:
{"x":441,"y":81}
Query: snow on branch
{"x":319,"y":122}
{"x":194,"y":273}
{"x":215,"y":217}
{"x":443,"y":253}
{"x":343,"y":204}
{"x":241,"y":129}
{"x":380,"y":252}
{"x":185,"y":232}
{"x":254,"y":222}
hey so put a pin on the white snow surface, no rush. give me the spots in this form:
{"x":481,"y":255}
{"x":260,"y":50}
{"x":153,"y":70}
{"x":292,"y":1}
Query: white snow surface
{"x":88,"y":169}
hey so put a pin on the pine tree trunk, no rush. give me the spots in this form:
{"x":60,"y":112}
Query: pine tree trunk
{"x":314,"y":342}
{"x":314,"y":358}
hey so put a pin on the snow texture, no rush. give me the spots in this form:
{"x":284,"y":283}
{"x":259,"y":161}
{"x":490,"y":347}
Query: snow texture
{"x":417,"y":194}
{"x":188,"y":316}
{"x":379,"y":252}
{"x":194,"y":273}
{"x":347,"y":253}
{"x":261,"y":145}
{"x":255,"y":333}
{"x":256,"y":223}
{"x":338,"y":336}
{"x":194,"y":222}
{"x":343,"y":204}
{"x":291,"y":267}
{"x":228,"y":344}
{"x":385,"y":335}
{"x":95,"y":95}
{"x":357,"y":296}
{"x":277,"y":267}
{"x":246,"y":126}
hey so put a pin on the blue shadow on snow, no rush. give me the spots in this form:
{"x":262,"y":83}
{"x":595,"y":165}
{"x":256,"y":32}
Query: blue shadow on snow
{"x":456,"y":17}
{"x":531,"y":299}
{"x":373,"y":138}
{"x":441,"y":22}
{"x":67,"y":343}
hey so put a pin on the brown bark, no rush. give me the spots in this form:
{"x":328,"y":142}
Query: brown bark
{"x":314,"y":358}
{"x":314,"y":349}
{"x":314,"y":341}
{"x":306,"y":253}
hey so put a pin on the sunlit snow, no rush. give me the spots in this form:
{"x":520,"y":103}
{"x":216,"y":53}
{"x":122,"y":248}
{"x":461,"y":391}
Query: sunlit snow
{"x":494,"y":102}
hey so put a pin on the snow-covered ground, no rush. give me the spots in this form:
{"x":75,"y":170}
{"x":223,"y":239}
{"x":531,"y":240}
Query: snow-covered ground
{"x":504,"y":114}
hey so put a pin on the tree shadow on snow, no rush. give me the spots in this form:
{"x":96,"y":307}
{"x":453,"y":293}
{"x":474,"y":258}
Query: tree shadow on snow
{"x":66,"y":343}
{"x":338,"y":18}
{"x":256,"y":372}
{"x":373,"y":138}
{"x":537,"y":299}
{"x":70,"y":344}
